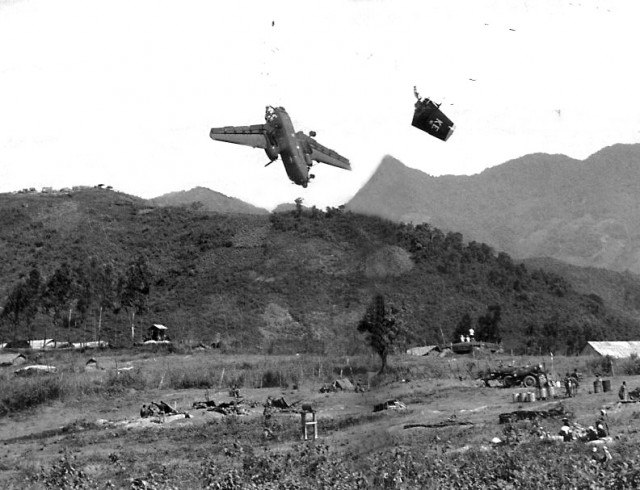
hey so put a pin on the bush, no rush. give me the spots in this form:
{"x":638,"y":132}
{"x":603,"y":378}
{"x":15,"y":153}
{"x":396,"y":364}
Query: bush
{"x":271,"y":379}
{"x":629,"y":366}
{"x":600,"y":365}
{"x":23,"y":394}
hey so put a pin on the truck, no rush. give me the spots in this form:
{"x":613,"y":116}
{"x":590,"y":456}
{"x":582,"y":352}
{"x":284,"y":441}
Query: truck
{"x":508,"y":376}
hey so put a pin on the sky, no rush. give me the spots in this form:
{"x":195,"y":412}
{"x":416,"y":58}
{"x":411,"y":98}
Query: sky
{"x":124,"y":92}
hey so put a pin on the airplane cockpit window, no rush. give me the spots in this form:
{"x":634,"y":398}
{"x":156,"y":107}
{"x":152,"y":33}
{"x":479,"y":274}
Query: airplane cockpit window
{"x":270,"y":114}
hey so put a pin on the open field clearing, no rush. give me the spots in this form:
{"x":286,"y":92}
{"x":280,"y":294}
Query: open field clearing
{"x":88,"y":433}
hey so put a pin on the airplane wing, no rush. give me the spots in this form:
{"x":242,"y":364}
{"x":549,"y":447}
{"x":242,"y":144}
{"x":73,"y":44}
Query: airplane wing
{"x":323,"y":154}
{"x":254,"y":135}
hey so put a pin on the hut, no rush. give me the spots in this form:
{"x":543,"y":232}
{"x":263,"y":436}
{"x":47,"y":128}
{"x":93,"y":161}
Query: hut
{"x":12,"y":359}
{"x":617,"y":350}
{"x":92,"y":365}
{"x":157,"y":332}
{"x":17,"y":344}
{"x":42,"y":344}
{"x":343,"y":384}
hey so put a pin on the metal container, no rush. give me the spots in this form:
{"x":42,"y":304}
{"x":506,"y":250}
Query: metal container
{"x":597,"y":386}
{"x":543,"y":393}
{"x":606,"y":385}
{"x":552,"y":391}
{"x":532,"y":397}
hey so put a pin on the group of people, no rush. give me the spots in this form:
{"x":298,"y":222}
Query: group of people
{"x":468,"y":338}
{"x":571,"y":383}
{"x":573,"y":431}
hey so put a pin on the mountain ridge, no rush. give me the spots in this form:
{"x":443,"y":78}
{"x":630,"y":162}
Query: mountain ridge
{"x":578,"y":211}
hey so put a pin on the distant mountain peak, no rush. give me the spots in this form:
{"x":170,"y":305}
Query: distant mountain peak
{"x":583,"y":212}
{"x":209,"y":201}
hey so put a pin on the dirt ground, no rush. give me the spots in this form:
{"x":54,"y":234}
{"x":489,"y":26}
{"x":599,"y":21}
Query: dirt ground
{"x":87,"y":429}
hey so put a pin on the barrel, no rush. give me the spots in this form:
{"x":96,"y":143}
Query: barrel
{"x":597,"y":386}
{"x":543,"y":393}
{"x":606,"y":385}
{"x":552,"y":391}
{"x":516,"y":397}
{"x":532,"y":397}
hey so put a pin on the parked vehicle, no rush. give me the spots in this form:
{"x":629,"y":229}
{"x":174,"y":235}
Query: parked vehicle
{"x":529,"y":376}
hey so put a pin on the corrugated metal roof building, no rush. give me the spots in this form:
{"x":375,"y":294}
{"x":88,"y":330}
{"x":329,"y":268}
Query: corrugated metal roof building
{"x":617,"y":350}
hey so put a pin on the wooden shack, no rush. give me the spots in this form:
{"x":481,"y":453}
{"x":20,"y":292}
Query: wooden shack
{"x":157,"y":332}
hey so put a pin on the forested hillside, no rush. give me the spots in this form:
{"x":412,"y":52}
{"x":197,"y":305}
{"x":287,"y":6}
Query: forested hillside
{"x":286,"y":282}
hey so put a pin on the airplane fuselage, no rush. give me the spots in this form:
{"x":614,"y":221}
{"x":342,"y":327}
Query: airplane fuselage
{"x":278,"y":138}
{"x":291,"y":149}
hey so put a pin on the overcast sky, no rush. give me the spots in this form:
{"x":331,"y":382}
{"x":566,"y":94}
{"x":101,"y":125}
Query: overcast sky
{"x":124,"y":92}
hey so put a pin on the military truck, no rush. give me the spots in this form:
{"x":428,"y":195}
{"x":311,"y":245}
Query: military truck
{"x":508,"y":376}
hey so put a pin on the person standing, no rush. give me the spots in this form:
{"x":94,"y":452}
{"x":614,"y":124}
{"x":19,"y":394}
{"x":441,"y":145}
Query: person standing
{"x":568,"y":386}
{"x":623,"y":393}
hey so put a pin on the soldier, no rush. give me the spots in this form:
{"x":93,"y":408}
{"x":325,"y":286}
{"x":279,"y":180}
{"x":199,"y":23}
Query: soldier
{"x":592,"y":434}
{"x":575,"y":381}
{"x":602,"y":421}
{"x":601,"y":431}
{"x":568,"y":386}
{"x":623,"y":393}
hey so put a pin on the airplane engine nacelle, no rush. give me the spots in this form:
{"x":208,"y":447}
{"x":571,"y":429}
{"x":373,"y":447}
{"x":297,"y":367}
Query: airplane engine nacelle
{"x":307,"y":159}
{"x":272,"y":152}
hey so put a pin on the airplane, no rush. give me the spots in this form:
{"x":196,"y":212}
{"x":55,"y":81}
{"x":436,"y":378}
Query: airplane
{"x":278,"y":138}
{"x":429,"y":118}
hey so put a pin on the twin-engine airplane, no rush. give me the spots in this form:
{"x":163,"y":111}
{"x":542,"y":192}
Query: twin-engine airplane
{"x":278,"y":138}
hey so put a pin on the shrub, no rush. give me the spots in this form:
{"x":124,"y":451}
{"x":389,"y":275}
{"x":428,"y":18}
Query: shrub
{"x":600,"y":365}
{"x":273,"y":379}
{"x":630,"y":366}
{"x":23,"y":394}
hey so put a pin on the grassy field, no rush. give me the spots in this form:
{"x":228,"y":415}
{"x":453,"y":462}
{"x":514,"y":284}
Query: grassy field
{"x":69,"y":430}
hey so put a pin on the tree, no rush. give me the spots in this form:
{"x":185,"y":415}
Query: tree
{"x":33,"y":289}
{"x":59,"y":295}
{"x":14,"y":307}
{"x":102,"y":291}
{"x":381,"y":327}
{"x":488,"y":325}
{"x":134,"y":289}
{"x":299,"y":208}
{"x":23,"y":302}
